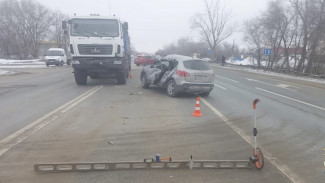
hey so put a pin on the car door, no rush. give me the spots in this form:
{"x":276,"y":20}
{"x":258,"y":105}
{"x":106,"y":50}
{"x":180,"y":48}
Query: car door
{"x":168,"y":73}
{"x":154,"y":71}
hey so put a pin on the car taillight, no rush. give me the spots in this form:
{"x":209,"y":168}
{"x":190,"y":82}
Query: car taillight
{"x":183,"y":73}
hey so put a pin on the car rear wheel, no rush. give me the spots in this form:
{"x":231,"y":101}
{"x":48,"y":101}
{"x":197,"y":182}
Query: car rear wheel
{"x":137,"y":64}
{"x":144,"y":81}
{"x":171,"y":89}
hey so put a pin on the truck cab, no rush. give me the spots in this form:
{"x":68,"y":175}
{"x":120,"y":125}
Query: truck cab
{"x":100,"y":48}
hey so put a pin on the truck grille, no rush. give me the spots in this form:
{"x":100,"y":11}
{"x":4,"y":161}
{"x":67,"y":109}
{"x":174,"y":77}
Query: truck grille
{"x":95,"y":49}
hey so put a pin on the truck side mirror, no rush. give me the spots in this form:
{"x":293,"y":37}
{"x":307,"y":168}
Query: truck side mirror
{"x":64,"y":25}
{"x":126,"y":24}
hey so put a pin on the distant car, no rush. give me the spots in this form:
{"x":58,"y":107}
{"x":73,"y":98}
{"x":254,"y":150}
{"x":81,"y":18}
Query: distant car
{"x":144,"y":60}
{"x":56,"y":56}
{"x":179,"y":74}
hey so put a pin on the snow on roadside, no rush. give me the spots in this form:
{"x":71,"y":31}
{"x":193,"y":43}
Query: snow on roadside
{"x":4,"y":72}
{"x":21,"y":64}
{"x":35,"y":61}
{"x":316,"y":80}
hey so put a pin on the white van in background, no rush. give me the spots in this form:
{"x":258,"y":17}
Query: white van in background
{"x":56,"y":56}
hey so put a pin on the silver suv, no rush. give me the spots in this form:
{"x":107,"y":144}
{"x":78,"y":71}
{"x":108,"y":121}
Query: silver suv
{"x":179,"y":74}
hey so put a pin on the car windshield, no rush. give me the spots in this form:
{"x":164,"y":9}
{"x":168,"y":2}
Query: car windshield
{"x":54,"y":53}
{"x":94,"y":28}
{"x":197,"y":65}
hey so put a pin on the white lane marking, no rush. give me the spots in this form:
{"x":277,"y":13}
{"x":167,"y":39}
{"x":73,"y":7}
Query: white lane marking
{"x":283,"y":168}
{"x":281,"y":85}
{"x":220,"y":86}
{"x":296,"y":100}
{"x":22,"y":134}
{"x":80,"y":100}
{"x":284,"y":86}
{"x":227,"y":78}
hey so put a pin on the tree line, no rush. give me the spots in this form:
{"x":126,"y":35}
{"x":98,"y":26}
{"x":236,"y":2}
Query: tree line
{"x":292,"y":29}
{"x":24,"y":24}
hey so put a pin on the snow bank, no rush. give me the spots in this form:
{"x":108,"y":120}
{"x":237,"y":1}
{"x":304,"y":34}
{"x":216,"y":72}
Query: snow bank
{"x":246,"y":61}
{"x":315,"y":80}
{"x":4,"y":72}
{"x":253,"y":62}
{"x":35,"y":61}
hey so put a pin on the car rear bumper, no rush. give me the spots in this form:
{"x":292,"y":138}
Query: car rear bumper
{"x":195,"y":87}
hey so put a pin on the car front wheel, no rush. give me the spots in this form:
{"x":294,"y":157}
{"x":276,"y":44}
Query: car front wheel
{"x":144,"y":81}
{"x":171,"y":89}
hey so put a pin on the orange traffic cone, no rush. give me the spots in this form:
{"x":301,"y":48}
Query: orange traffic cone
{"x":131,"y":75}
{"x":197,"y":111}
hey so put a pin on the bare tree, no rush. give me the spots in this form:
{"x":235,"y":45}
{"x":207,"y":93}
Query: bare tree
{"x":213,"y":24}
{"x":273,"y":25}
{"x":23,"y":24}
{"x":56,"y":30}
{"x":288,"y":33}
{"x":311,"y":14}
{"x":185,"y":46}
{"x":254,"y":36}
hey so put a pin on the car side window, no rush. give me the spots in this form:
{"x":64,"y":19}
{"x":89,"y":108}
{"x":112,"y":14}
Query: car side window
{"x":165,"y":63}
{"x":157,"y":65}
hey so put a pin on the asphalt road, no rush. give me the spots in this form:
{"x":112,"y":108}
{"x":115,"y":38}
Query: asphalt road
{"x":47,"y":118}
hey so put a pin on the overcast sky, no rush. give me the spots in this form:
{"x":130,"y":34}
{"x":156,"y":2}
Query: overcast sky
{"x":155,"y":23}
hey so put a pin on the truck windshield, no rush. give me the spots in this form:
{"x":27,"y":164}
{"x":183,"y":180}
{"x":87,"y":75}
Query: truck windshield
{"x":94,"y":28}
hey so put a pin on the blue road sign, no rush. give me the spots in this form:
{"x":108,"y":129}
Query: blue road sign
{"x":267,"y":51}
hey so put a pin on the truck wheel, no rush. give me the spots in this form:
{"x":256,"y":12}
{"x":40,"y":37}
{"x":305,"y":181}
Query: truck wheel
{"x":144,"y":81}
{"x":121,"y":77}
{"x":127,"y":73}
{"x":171,"y":88}
{"x":80,"y":77}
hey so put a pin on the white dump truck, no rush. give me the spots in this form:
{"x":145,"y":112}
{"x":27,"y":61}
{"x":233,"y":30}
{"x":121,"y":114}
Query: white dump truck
{"x":100,"y":48}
